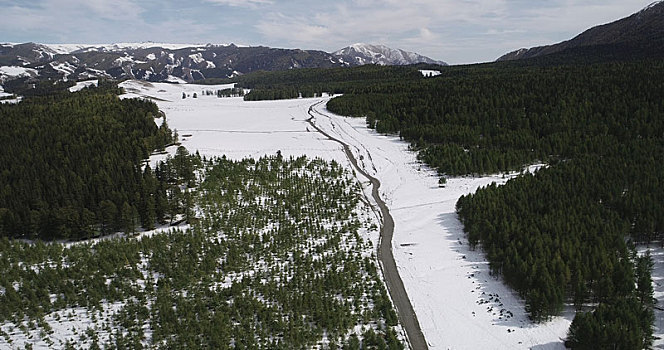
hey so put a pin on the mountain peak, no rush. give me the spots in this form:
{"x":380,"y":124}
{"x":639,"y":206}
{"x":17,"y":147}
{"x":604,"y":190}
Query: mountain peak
{"x":362,"y":53}
{"x":652,"y":5}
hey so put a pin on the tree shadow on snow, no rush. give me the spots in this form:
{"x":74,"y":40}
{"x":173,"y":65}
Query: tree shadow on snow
{"x":549,"y":346}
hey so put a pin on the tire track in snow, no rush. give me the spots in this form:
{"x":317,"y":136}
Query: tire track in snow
{"x":342,"y":130}
{"x":407,"y":315}
{"x":244,"y":131}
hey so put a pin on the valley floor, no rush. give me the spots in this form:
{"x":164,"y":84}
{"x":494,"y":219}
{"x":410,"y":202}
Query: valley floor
{"x":459,"y":305}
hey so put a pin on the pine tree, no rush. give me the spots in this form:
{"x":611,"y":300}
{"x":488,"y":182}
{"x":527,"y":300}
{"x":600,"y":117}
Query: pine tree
{"x":128,"y":218}
{"x":107,"y":216}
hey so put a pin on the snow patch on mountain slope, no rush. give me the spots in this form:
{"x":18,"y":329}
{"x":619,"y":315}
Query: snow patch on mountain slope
{"x":65,"y":68}
{"x":94,"y":73}
{"x":121,"y":60}
{"x":174,"y":79}
{"x":16,"y":72}
{"x":72,"y":48}
{"x":197,"y":58}
{"x":83,"y":84}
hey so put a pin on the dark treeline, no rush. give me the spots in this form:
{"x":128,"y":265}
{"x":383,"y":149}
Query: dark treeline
{"x":272,"y":94}
{"x":314,"y":82}
{"x":362,"y":75}
{"x":559,"y":235}
{"x":282,"y":93}
{"x":71,"y":165}
{"x":23,"y":87}
{"x":230,"y":92}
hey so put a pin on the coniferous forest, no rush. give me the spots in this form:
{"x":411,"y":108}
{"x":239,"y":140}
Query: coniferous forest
{"x":72,"y":165}
{"x":276,"y":257}
{"x":565,"y":234}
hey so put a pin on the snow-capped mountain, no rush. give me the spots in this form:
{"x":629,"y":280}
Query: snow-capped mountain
{"x":359,"y":54}
{"x":637,"y":36}
{"x":152,"y":61}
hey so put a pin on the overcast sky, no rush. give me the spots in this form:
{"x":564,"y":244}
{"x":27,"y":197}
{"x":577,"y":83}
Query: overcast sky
{"x":456,"y":31}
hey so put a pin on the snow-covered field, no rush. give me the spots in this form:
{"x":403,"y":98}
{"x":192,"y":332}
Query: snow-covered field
{"x":233,"y":127}
{"x":459,"y":305}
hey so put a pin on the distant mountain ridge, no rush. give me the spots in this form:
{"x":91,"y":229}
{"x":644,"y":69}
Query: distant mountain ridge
{"x":641,"y":34}
{"x":359,"y":54}
{"x":156,"y":62}
{"x":176,"y":62}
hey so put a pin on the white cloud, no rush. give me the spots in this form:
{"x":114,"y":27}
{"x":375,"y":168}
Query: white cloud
{"x":241,"y":3}
{"x":65,"y":15}
{"x":95,"y":22}
{"x":426,"y":34}
{"x":21,"y":19}
{"x":114,"y":10}
{"x":278,"y":26}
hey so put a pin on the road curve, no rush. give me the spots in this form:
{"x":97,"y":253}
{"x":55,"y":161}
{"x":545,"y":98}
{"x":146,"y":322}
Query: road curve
{"x":395,"y":286}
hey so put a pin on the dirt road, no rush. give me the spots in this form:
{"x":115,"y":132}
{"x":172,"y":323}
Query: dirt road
{"x":395,"y":286}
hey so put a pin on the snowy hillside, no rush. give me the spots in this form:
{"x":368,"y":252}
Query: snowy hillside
{"x":379,"y":54}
